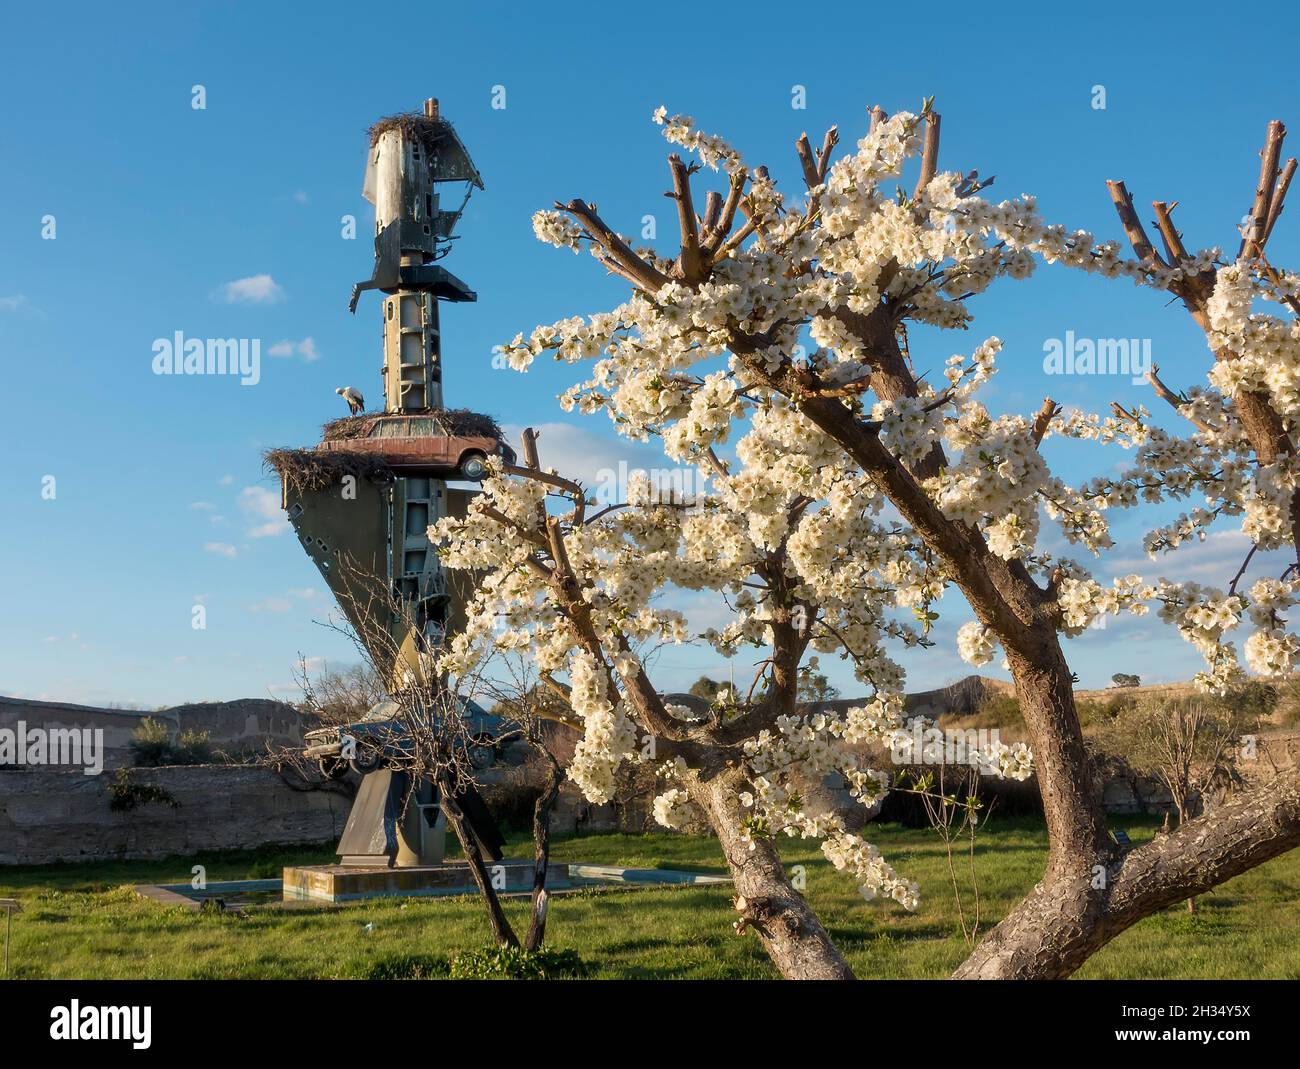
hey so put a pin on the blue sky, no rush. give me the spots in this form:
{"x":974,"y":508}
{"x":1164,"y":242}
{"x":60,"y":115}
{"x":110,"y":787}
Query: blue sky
{"x":161,"y":497}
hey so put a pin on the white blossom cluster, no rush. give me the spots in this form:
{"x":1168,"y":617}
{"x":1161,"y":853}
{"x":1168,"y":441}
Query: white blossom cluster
{"x":712,"y":150}
{"x":976,"y":644}
{"x":609,"y":735}
{"x":925,"y":743}
{"x":672,"y":809}
{"x":1264,"y":349}
{"x":808,"y":747}
{"x":1271,"y":650}
{"x":1082,"y":599}
{"x":556,"y":228}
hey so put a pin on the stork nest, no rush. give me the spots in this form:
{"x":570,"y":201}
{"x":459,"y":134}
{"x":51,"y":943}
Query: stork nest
{"x":450,"y":421}
{"x":305,"y":470}
{"x":414,"y":125}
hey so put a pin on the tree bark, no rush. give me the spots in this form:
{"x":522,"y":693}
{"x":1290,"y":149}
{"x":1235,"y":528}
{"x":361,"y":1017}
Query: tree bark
{"x":501,"y":930}
{"x":765,"y":899}
{"x":1069,"y":916}
{"x":541,"y":856}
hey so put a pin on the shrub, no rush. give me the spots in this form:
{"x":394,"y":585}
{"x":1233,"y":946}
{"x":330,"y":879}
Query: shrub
{"x":150,"y":742}
{"x":192,"y":748}
{"x":123,"y":795}
{"x":514,"y":963}
{"x":999,"y":711}
{"x":400,"y":967}
{"x":1253,"y":698}
{"x":151,"y":746}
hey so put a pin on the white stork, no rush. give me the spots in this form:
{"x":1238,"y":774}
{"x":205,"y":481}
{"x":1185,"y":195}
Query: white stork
{"x":356,"y":403}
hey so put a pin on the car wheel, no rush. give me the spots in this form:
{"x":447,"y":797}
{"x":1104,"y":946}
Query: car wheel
{"x":482,"y":751}
{"x":473,"y":467}
{"x":365,"y":761}
{"x":332,"y":767}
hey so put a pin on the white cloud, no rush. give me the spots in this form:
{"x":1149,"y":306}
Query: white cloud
{"x":204,"y":506}
{"x":702,"y":608}
{"x":580,"y":454}
{"x":221,"y":549}
{"x":305,"y":349}
{"x":276,"y":605}
{"x":12,"y":304}
{"x":262,"y":507}
{"x":226,"y":480}
{"x":300,"y":196}
{"x":256,"y":289}
{"x":1213,"y":562}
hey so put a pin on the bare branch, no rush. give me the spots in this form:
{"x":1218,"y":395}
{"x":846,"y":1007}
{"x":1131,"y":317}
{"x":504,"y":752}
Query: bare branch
{"x":807,"y":161}
{"x":642,"y":274}
{"x":1128,"y":218}
{"x":1253,"y":236}
{"x":929,"y":154}
{"x":1177,"y":402}
{"x":1175,"y":251}
{"x":1046,"y":414}
{"x":715,"y":237}
{"x":1279,"y":198}
{"x":829,"y":142}
{"x":692,"y":264}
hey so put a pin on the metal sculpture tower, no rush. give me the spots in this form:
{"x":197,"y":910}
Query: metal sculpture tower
{"x":363,"y":499}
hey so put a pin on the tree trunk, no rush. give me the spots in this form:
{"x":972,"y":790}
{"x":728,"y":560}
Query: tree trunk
{"x":501,"y":930}
{"x":541,"y":857}
{"x":1182,"y":805}
{"x":1066,"y":919}
{"x":765,"y":899}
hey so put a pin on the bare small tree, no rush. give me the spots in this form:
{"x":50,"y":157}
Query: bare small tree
{"x":1187,"y":744}
{"x":340,"y":695}
{"x":429,"y":738}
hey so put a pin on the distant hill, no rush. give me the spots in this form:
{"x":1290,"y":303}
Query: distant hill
{"x":963,"y":697}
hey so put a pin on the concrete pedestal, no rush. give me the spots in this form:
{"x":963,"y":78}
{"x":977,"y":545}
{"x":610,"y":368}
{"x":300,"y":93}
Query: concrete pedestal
{"x":347,"y":883}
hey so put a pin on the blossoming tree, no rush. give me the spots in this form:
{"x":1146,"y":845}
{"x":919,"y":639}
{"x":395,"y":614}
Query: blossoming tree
{"x":860,"y":491}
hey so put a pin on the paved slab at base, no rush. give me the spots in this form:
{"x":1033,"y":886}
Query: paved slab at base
{"x":343,"y":883}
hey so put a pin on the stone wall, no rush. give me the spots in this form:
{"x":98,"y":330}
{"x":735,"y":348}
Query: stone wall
{"x":48,"y":815}
{"x":241,"y":726}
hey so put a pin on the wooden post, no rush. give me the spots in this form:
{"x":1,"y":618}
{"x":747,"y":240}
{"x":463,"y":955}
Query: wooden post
{"x":10,"y":906}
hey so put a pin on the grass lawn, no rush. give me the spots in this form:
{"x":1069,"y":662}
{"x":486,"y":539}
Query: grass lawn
{"x":83,"y":921}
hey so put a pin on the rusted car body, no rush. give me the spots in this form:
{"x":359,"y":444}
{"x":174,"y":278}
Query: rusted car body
{"x":418,"y":443}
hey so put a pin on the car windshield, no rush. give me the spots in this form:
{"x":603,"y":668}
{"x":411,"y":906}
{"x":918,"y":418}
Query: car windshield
{"x":389,"y":428}
{"x":415,"y":427}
